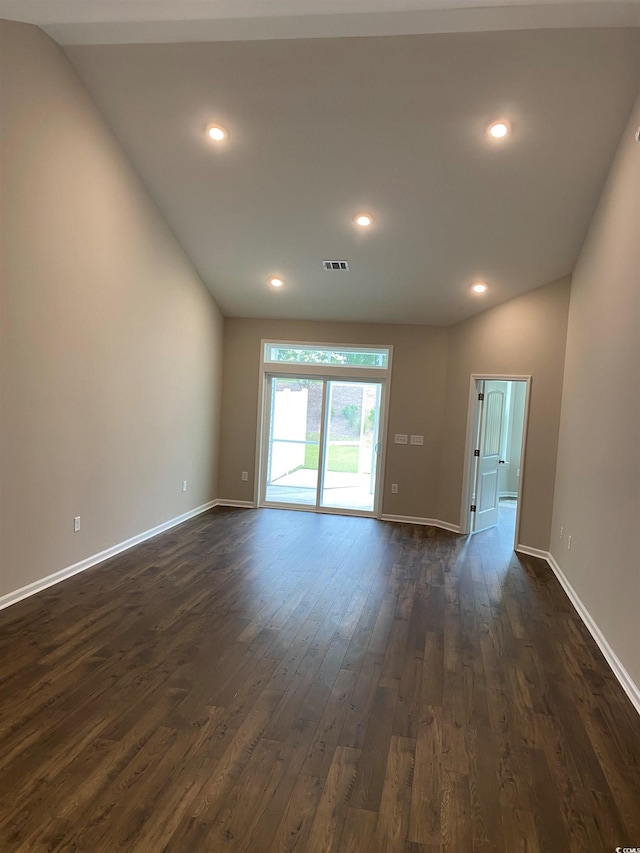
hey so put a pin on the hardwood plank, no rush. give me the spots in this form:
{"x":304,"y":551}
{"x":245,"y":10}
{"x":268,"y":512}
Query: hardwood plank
{"x":243,"y":806}
{"x":550,"y":827}
{"x":190,"y":835}
{"x":607,"y":820}
{"x":367,"y":789}
{"x":294,"y":696}
{"x":484,"y":792}
{"x":262,"y":826}
{"x":432,"y":688}
{"x":324,"y":682}
{"x":320,"y":754}
{"x":393,"y":815}
{"x":354,"y":727}
{"x":331,"y":813}
{"x":520,"y":831}
{"x":113,"y":812}
{"x":456,"y":823}
{"x":621,"y":779}
{"x":359,"y":831}
{"x":426,"y":789}
{"x":294,"y":828}
{"x":181,"y":775}
{"x":573,"y":799}
{"x":235,"y":758}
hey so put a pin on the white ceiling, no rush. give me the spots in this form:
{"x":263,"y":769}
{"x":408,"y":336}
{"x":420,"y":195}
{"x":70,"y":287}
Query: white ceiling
{"x":139,"y":21}
{"x":323,"y":128}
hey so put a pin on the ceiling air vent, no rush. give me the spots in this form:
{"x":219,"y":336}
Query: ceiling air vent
{"x":340,"y":266}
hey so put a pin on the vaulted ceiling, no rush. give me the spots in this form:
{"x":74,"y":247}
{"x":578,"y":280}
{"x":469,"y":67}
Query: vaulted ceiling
{"x":320,"y":129}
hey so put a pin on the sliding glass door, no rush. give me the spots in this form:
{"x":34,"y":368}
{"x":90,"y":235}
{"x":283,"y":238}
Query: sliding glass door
{"x":294,"y":427}
{"x":321,"y":443}
{"x":350,"y":446}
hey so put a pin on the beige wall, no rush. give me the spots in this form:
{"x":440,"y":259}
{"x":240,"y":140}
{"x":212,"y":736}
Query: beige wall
{"x":416,"y":403}
{"x":525,"y":336}
{"x":110,"y":353}
{"x":597,"y":498}
{"x":429,"y":395}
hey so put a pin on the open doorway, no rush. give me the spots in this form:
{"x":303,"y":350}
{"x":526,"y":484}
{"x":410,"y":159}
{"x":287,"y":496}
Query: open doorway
{"x":494,"y":468}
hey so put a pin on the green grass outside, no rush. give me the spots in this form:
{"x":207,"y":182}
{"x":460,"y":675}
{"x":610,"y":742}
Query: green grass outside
{"x":342,"y":459}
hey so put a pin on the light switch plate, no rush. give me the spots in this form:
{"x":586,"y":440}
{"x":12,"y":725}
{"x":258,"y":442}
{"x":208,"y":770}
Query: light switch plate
{"x":417,"y":439}
{"x":400,"y":439}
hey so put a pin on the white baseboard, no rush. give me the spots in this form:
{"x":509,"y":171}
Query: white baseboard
{"x":241,"y":504}
{"x":431,"y":522}
{"x":76,"y":568}
{"x":533,"y":552}
{"x":626,"y":682}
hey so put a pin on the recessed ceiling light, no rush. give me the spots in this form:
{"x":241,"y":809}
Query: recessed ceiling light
{"x":276,"y":282}
{"x":363,"y":220}
{"x":217,"y":133}
{"x":479,"y":287}
{"x":499,"y":129}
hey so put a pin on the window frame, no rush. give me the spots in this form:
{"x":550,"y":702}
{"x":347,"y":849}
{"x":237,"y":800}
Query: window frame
{"x":328,"y":370}
{"x":320,"y":371}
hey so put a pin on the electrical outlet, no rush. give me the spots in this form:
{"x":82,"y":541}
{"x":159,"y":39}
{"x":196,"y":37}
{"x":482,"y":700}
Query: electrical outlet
{"x":569,"y":543}
{"x":184,"y":485}
{"x":245,"y":476}
{"x":394,"y":488}
{"x":76,"y":524}
{"x":562,"y":532}
{"x":400,"y":438}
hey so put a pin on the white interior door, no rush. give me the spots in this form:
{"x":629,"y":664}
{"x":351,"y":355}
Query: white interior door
{"x":491,"y":430}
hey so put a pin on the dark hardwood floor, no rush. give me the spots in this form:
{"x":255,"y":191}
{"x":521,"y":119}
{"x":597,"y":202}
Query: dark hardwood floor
{"x":277,"y":681}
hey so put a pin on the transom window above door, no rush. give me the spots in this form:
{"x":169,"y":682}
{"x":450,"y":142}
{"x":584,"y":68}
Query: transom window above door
{"x":369,"y":358}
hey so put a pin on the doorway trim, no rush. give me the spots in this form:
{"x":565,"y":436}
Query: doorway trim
{"x":473,"y":413}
